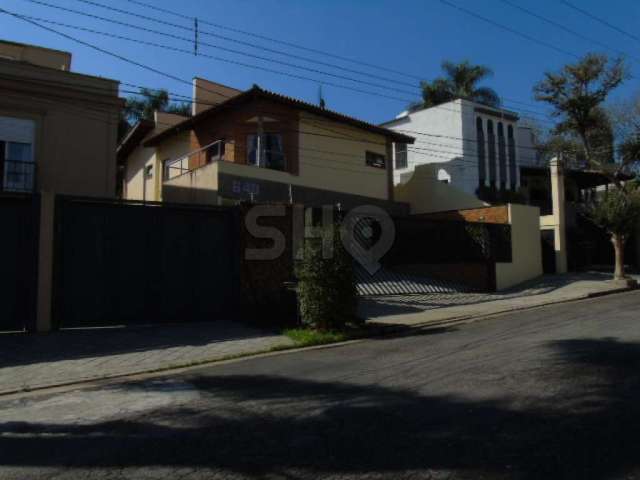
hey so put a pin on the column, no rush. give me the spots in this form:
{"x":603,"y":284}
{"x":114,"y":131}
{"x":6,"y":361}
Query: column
{"x":559,"y":214}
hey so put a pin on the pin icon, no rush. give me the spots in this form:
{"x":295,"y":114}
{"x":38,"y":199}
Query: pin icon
{"x":367,"y":233}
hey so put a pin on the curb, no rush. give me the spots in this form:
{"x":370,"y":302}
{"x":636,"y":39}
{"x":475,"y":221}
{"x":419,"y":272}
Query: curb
{"x":379,"y":330}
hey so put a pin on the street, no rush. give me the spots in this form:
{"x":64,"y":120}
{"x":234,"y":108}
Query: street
{"x":552,"y":392}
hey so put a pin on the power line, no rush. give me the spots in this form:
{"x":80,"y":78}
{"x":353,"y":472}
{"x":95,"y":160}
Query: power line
{"x":600,"y":20}
{"x":564,"y":28}
{"x":509,"y":29}
{"x":201,"y":42}
{"x":281,"y":42}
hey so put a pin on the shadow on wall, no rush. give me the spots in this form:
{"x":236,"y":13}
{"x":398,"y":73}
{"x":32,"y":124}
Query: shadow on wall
{"x":590,"y":429}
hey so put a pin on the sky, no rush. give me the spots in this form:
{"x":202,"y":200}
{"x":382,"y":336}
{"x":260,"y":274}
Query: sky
{"x":411,"y":37}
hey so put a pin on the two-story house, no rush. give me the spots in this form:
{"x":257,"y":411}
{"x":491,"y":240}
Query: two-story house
{"x":58,"y":129}
{"x":262,"y":146}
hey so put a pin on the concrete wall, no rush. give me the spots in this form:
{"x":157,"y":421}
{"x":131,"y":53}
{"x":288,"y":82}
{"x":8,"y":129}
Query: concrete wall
{"x":76,"y":119}
{"x":449,"y":141}
{"x":422,"y":190}
{"x":44,"y":57}
{"x":526,"y":248}
{"x":197,"y":186}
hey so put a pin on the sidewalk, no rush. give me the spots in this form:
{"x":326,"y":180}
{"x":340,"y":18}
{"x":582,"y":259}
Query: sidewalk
{"x":37,"y":361}
{"x":419,"y":310}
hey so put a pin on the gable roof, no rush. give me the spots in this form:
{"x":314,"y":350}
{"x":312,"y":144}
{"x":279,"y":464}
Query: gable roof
{"x":133,"y":138}
{"x":255,"y":93}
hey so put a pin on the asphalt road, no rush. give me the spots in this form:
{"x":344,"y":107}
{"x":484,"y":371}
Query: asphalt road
{"x":549,"y":393}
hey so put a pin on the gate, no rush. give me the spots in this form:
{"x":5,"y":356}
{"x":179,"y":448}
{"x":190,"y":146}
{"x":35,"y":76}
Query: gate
{"x":19,"y":216}
{"x":124,"y":263}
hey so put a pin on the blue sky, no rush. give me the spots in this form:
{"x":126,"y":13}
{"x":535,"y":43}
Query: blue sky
{"x":411,"y":36}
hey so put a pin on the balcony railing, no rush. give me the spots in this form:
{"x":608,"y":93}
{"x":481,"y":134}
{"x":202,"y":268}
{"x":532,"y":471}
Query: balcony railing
{"x":17,"y":176}
{"x":213,"y":152}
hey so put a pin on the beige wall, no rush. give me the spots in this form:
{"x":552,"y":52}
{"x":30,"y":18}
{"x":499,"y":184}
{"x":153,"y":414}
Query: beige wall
{"x":207,"y":94}
{"x":43,"y":57}
{"x":76,"y":119}
{"x":527,"y":251}
{"x":198,"y":186}
{"x":339,"y":165}
{"x":422,"y":190}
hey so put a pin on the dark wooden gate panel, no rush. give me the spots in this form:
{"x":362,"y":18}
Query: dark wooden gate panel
{"x":125,"y":263}
{"x":20,"y":219}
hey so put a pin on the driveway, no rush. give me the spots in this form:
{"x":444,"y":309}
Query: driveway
{"x":550,"y":393}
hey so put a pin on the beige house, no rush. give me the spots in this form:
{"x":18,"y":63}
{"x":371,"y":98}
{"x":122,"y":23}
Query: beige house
{"x":58,"y":129}
{"x":262,"y":146}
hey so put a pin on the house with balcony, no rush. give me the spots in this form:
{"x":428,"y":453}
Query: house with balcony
{"x":58,"y":128}
{"x":261,"y":146}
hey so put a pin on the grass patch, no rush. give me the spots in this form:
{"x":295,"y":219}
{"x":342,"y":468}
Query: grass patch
{"x":307,"y":337}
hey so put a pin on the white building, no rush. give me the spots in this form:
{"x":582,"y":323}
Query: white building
{"x":471,"y":145}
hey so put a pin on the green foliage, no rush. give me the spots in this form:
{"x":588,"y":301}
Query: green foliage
{"x":577,"y":93}
{"x":460,"y":81}
{"x":307,"y":337}
{"x":327,"y":289}
{"x":142,"y":108}
{"x":617,"y":211}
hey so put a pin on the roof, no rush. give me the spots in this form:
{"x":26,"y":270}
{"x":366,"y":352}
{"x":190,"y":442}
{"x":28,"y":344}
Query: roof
{"x":133,"y":138}
{"x":255,"y":93}
{"x":479,"y":107}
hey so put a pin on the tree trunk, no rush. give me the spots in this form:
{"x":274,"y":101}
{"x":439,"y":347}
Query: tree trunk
{"x":618,"y":245}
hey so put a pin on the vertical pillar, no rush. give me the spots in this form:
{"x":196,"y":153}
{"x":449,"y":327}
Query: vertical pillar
{"x":559,"y":214}
{"x":389,"y":164}
{"x":45,"y":262}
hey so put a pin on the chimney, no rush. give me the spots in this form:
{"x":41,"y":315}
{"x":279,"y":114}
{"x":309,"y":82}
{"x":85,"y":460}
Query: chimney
{"x":207,"y":94}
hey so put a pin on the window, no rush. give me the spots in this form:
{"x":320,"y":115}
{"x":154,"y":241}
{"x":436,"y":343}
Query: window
{"x":401,"y":156}
{"x":376,"y":160}
{"x":266,"y":151}
{"x":512,"y":158}
{"x":216,"y":151}
{"x":482,"y":173}
{"x":502,"y":156}
{"x":17,"y":164}
{"x":491,"y":137}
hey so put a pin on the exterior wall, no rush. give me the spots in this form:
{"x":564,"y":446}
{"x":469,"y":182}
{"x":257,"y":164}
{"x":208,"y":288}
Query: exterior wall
{"x":76,"y":118}
{"x":339,"y":165}
{"x":425,"y":194}
{"x":314,"y":157}
{"x":43,"y":57}
{"x":207,"y":94}
{"x":526,"y":248}
{"x":449,"y":142}
{"x":499,"y":215}
{"x":197,"y":186}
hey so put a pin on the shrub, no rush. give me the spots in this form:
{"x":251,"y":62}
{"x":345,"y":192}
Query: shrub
{"x":327,"y":289}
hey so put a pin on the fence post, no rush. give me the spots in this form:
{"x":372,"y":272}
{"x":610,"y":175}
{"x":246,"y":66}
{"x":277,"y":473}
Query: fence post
{"x":45,"y":262}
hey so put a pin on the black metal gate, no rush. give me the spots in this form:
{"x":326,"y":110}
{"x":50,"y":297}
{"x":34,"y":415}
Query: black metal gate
{"x":19,"y":216}
{"x":125,"y":263}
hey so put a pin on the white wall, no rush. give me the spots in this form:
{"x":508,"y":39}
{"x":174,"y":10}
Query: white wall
{"x":446,"y":136}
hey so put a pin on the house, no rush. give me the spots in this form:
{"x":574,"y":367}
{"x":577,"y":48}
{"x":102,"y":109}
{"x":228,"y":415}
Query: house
{"x":58,"y":129}
{"x":472,"y":146}
{"x":262,"y":146}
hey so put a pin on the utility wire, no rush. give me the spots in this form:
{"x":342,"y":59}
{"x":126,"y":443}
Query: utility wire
{"x":281,"y":42}
{"x":566,"y":29}
{"x":600,"y":20}
{"x":509,"y":29}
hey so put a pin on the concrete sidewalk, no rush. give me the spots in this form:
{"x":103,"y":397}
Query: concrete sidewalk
{"x":419,"y":310}
{"x":29,"y":362}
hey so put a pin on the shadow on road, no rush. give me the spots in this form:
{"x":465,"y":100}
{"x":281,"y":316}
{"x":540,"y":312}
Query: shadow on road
{"x":260,"y":425}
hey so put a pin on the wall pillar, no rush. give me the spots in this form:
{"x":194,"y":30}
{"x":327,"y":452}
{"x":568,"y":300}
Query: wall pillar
{"x":559,"y":214}
{"x":45,"y":262}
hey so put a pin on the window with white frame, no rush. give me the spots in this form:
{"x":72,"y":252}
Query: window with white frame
{"x":401,"y":156}
{"x":17,"y":161}
{"x":266,"y":151}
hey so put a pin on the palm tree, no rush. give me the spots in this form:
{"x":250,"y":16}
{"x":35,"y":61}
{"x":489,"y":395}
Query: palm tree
{"x":460,"y":81}
{"x":137,"y":109}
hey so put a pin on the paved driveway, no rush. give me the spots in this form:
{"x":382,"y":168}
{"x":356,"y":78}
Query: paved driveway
{"x":547,"y":394}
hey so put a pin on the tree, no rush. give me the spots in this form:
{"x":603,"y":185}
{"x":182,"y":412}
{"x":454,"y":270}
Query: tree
{"x":592,"y":135}
{"x":460,"y":81}
{"x":143,"y":106}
